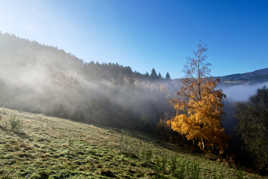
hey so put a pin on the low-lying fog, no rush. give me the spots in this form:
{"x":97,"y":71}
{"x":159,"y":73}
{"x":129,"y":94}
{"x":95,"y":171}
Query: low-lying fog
{"x":241,"y":93}
{"x":44,"y":79}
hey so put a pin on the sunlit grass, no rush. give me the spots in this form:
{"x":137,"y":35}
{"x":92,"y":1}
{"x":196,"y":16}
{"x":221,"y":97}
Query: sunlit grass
{"x":58,"y":148}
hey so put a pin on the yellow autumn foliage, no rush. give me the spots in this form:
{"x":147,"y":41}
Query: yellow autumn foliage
{"x":199,"y":109}
{"x":200,"y":120}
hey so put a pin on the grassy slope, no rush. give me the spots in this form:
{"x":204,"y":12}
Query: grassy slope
{"x":58,"y":148}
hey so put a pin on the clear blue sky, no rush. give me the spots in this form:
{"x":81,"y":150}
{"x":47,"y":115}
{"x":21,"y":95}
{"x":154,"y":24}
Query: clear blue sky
{"x":147,"y":33}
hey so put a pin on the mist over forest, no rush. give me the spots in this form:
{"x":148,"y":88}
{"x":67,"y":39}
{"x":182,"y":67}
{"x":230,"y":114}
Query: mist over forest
{"x":242,"y":92}
{"x":43,"y":79}
{"x":47,"y":80}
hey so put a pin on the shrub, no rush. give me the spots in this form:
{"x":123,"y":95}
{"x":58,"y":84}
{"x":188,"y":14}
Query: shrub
{"x":15,"y":124}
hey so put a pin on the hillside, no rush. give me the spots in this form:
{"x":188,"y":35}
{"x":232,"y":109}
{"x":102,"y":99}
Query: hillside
{"x":257,"y":76}
{"x":43,"y":79}
{"x":46,"y":147}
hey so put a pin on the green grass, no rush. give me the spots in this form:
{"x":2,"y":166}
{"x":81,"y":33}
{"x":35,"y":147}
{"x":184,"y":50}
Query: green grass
{"x":47,"y":147}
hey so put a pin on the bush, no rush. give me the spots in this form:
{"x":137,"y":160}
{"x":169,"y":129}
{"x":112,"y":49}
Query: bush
{"x":15,"y":124}
{"x":253,"y":128}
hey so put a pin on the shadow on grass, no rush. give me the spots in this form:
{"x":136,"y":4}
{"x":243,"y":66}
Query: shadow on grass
{"x":20,"y":134}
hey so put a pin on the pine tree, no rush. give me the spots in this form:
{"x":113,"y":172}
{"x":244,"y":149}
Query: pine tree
{"x":153,"y":74}
{"x":159,"y":76}
{"x":168,"y":76}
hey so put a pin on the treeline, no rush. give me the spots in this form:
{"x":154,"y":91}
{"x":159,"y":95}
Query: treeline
{"x":118,"y":73}
{"x":31,"y":52}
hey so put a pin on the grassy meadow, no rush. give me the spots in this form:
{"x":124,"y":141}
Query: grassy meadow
{"x":39,"y":147}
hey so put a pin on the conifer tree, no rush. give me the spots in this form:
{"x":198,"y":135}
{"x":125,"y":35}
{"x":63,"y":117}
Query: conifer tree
{"x":168,"y":76}
{"x":153,"y":74}
{"x":159,"y":76}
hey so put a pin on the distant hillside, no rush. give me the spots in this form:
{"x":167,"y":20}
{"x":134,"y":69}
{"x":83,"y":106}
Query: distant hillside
{"x":258,"y":76}
{"x":24,"y":53}
{"x":249,"y":77}
{"x":43,"y":79}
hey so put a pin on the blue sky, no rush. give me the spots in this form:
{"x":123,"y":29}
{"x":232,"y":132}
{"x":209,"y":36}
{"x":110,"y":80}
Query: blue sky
{"x":147,"y":33}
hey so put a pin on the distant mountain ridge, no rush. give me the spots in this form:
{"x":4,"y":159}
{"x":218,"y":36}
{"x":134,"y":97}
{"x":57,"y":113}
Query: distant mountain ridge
{"x":256,"y":76}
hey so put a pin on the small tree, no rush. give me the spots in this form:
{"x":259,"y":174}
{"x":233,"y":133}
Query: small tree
{"x":199,"y":106}
{"x":159,"y":76}
{"x":153,"y":74}
{"x":167,"y":76}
